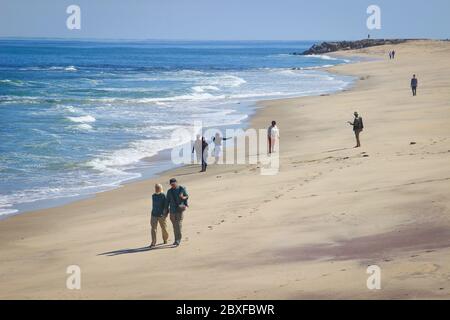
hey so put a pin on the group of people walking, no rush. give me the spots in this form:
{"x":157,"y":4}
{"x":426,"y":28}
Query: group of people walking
{"x":392,"y":54}
{"x":200,"y":148}
{"x":174,"y":203}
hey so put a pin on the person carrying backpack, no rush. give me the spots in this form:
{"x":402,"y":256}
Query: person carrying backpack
{"x":177,"y":197}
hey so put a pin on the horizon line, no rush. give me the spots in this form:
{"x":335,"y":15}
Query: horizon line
{"x":198,"y":40}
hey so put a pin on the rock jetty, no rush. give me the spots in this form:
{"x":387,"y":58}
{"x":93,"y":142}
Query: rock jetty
{"x":326,"y":47}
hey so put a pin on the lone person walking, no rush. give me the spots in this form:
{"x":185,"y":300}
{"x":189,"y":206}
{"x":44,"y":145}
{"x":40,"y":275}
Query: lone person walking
{"x":414,"y":84}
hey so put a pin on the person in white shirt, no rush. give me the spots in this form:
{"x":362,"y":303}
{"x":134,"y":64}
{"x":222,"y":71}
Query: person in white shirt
{"x":217,"y":139}
{"x":273,"y":134}
{"x":197,"y":148}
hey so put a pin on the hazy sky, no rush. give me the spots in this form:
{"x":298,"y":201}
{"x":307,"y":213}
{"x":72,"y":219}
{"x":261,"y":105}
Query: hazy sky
{"x":225,"y":19}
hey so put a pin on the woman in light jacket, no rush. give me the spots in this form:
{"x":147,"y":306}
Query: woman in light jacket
{"x":159,"y":214}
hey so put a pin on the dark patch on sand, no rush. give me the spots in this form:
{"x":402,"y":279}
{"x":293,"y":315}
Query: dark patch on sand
{"x":368,"y":247}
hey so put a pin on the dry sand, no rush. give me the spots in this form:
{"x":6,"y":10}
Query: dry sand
{"x":308,"y":232}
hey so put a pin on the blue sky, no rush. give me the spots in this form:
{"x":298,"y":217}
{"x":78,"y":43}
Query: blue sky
{"x":225,"y":19}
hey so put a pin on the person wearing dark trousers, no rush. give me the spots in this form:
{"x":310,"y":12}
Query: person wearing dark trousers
{"x":358,"y":126}
{"x":204,"y":154}
{"x":414,"y":85}
{"x":177,"y":197}
{"x":159,"y":214}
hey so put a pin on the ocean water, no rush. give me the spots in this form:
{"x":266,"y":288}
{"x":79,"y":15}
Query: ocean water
{"x":78,"y":117}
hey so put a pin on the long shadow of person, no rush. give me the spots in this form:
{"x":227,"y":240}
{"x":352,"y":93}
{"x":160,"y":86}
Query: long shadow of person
{"x":136,"y":250}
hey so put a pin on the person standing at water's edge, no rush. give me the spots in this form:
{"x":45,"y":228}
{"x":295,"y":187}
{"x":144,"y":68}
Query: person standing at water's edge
{"x":273,"y":134}
{"x":197,"y":148}
{"x":177,"y":197}
{"x":217,"y":140}
{"x":204,"y":154}
{"x":358,"y":126}
{"x":414,"y":84}
{"x":159,"y":214}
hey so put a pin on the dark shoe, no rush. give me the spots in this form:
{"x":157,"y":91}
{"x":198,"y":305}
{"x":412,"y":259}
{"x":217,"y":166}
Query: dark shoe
{"x":176,"y":243}
{"x":152,"y":246}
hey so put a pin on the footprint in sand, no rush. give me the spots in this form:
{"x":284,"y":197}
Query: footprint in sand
{"x":425,"y":269}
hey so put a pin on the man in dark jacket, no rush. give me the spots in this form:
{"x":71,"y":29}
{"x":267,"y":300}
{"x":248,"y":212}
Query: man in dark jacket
{"x":205,"y":149}
{"x":358,"y":126}
{"x":177,"y":197}
{"x":414,"y":84}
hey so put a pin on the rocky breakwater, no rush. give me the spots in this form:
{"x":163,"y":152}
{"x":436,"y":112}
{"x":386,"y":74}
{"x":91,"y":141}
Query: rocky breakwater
{"x":326,"y":47}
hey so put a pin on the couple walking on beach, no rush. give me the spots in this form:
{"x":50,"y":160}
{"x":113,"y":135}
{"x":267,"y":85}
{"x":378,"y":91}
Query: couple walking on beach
{"x":392,"y":54}
{"x":173,"y":204}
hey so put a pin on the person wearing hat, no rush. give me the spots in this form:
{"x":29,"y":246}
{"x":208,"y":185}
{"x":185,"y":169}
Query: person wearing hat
{"x":358,"y":126}
{"x":177,"y":197}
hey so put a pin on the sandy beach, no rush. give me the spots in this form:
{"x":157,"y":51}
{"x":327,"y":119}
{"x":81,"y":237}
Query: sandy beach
{"x":309,"y":232}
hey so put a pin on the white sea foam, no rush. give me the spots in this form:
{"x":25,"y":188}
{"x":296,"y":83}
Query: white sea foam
{"x":321,"y":56}
{"x":82,"y":119}
{"x":16,"y":83}
{"x":84,"y":127}
{"x":117,"y":160}
{"x":325,"y":57}
{"x":5,"y":206}
{"x":201,"y":89}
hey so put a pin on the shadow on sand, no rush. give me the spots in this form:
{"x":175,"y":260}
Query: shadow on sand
{"x":137,"y":250}
{"x":334,"y":150}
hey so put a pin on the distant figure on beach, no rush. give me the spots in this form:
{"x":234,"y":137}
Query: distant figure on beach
{"x":159,"y":214}
{"x":197,"y":148}
{"x":393,"y":54}
{"x":390,"y":55}
{"x":205,"y":147}
{"x":273,"y":134}
{"x":358,"y":126}
{"x":177,"y":197}
{"x":414,"y":84}
{"x":217,"y":140}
